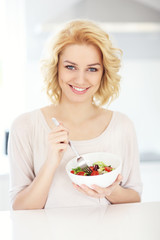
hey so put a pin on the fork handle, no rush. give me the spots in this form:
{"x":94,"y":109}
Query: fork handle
{"x":73,"y":148}
{"x":69,"y":143}
{"x":55,"y":121}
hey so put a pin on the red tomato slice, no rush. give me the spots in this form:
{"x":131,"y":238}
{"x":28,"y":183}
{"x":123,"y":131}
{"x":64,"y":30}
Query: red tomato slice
{"x":108,"y":169}
{"x":94,"y":173}
{"x":92,"y":168}
{"x":72,"y":172}
{"x":81,"y":173}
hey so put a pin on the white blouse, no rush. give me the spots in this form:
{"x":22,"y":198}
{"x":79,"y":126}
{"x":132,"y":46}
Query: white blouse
{"x":28,"y":151}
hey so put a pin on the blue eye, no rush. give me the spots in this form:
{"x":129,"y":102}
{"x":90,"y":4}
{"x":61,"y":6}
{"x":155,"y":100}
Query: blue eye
{"x":92,"y":69}
{"x":70,"y":67}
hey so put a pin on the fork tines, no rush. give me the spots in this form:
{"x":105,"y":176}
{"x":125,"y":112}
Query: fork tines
{"x":87,"y":169}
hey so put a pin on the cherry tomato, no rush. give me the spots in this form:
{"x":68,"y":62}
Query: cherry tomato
{"x":72,"y":172}
{"x":94,"y":173}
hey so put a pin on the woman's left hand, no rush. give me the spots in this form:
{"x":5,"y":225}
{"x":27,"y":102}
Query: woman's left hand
{"x":99,"y":192}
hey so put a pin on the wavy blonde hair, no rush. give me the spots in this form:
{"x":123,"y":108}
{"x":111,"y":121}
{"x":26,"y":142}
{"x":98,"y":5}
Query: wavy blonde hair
{"x":83,"y":32}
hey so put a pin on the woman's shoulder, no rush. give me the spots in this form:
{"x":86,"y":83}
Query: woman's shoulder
{"x":117,"y":116}
{"x":122,"y":117}
{"x":24,"y":120}
{"x":124,"y":122}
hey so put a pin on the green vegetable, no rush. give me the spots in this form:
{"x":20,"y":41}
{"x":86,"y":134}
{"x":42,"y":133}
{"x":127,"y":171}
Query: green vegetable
{"x":100,"y":170}
{"x":100,"y":164}
{"x":77,"y":170}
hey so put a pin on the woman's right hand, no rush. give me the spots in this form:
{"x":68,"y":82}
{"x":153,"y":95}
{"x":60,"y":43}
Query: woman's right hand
{"x":57,"y":144}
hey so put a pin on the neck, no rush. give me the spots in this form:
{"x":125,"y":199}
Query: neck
{"x":76,"y":113}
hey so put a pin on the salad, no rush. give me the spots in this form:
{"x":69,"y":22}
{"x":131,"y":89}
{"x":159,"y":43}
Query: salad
{"x":98,"y":168}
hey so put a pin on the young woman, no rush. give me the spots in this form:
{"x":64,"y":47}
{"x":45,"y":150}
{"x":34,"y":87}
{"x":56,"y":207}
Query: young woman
{"x":81,"y":75}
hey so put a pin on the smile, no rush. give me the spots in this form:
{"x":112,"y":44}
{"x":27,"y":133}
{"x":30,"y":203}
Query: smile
{"x":78,"y":90}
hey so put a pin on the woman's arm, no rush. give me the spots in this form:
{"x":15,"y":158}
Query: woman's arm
{"x":35,"y":195}
{"x":123,"y":195}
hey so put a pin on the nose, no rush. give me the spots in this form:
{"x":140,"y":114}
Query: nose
{"x":80,"y":78}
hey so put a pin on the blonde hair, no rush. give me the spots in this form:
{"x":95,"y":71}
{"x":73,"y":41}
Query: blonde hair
{"x":83,"y":31}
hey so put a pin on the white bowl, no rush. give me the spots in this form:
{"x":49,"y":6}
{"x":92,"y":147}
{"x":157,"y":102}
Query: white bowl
{"x":103,"y":180}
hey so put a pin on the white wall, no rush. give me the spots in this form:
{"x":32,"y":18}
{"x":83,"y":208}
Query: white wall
{"x":140,"y":99}
{"x":13,"y":54}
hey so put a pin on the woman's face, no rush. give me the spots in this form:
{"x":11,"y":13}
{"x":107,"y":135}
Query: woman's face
{"x":80,"y":71}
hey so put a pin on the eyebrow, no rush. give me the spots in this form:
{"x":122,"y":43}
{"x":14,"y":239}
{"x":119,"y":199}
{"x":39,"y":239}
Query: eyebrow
{"x":66,"y":61}
{"x":92,"y":64}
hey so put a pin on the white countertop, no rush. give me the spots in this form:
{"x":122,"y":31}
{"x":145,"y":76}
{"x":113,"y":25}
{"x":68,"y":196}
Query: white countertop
{"x":115,"y":222}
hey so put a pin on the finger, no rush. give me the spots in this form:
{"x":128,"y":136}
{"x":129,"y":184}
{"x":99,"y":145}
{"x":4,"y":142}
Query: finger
{"x":58,"y":145}
{"x":90,"y":192}
{"x":112,"y":187}
{"x":58,"y":131}
{"x":59,"y":128}
{"x":77,"y":187}
{"x":58,"y":137}
{"x":61,"y":139}
{"x":62,"y":146}
{"x":118,"y":179}
{"x":83,"y":189}
{"x":99,"y":190}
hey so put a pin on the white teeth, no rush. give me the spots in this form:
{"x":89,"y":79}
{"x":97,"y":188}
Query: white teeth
{"x":79,"y":89}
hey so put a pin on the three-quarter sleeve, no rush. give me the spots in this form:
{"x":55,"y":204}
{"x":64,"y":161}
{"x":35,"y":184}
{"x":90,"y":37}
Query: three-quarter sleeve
{"x":20,"y":155}
{"x":131,"y":163}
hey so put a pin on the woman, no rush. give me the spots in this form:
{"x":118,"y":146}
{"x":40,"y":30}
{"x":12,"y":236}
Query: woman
{"x":81,"y":75}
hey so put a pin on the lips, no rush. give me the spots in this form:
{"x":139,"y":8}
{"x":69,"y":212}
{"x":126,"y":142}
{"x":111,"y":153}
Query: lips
{"x":78,"y":90}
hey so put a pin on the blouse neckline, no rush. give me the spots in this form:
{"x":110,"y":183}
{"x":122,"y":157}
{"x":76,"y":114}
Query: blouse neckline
{"x":82,"y":141}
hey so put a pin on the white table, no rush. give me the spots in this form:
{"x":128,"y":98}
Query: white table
{"x":115,"y":222}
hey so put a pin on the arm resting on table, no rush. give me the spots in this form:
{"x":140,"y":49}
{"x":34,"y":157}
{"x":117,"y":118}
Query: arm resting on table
{"x":35,"y":195}
{"x":123,"y":195}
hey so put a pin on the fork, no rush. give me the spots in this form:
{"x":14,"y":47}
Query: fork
{"x":80,"y":160}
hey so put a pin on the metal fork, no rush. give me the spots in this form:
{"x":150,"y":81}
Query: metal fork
{"x":80,"y":160}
